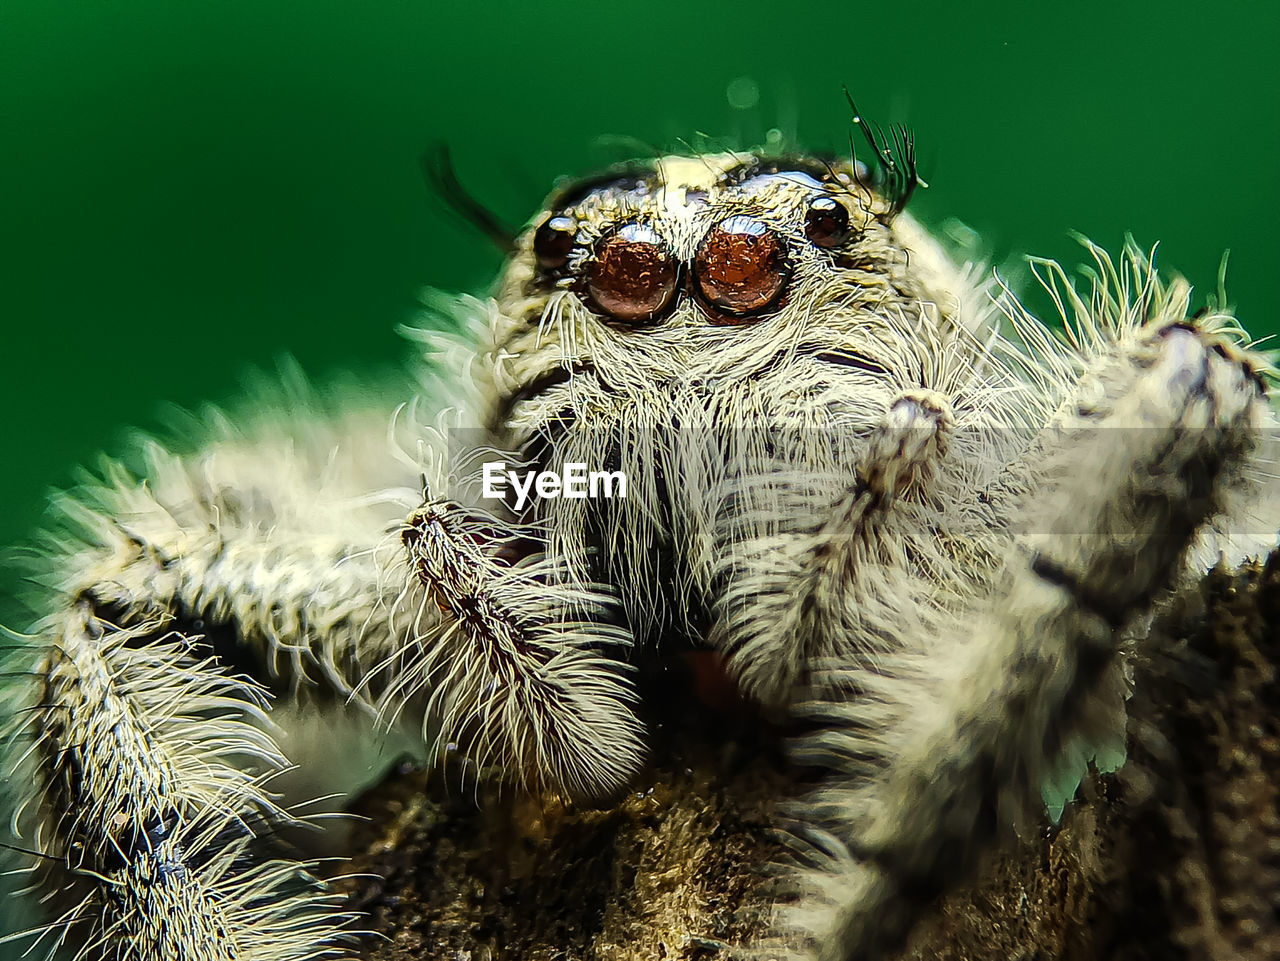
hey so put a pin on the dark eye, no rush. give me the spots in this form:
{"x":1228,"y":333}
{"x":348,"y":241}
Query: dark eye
{"x":632,"y":277}
{"x":553,"y":242}
{"x":826,"y":222}
{"x":741,"y":267}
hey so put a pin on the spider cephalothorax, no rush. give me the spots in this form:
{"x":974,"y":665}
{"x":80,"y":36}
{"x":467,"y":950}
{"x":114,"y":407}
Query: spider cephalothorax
{"x":888,"y":497}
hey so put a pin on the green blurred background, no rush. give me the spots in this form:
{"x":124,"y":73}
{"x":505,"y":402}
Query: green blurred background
{"x":191,"y":189}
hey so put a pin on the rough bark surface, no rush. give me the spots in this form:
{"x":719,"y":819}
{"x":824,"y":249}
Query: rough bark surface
{"x":1175,"y":857}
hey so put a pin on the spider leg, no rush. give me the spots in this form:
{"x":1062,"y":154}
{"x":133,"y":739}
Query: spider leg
{"x":145,"y":764}
{"x":949,"y":743}
{"x":788,"y":604}
{"x":527,"y":676}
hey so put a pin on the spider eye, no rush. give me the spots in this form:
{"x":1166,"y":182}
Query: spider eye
{"x":741,"y":267}
{"x":826,"y":222}
{"x":553,"y":242}
{"x":632,"y":277}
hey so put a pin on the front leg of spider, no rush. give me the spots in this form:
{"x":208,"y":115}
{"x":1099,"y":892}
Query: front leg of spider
{"x":1150,"y":447}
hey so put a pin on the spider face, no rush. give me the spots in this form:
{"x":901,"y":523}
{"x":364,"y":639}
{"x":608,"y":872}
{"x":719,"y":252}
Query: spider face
{"x":697,"y":272}
{"x":699,"y":324}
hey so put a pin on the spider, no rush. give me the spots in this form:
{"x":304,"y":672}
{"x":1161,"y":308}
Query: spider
{"x":897,"y":506}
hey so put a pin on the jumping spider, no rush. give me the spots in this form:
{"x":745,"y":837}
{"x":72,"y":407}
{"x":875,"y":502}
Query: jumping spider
{"x":891,"y":500}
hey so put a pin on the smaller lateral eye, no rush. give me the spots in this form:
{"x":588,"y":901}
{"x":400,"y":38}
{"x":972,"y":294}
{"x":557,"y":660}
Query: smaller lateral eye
{"x":826,"y":222}
{"x":553,"y":242}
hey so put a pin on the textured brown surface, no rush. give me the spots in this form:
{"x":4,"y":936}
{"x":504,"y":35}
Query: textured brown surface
{"x":1176,"y":857}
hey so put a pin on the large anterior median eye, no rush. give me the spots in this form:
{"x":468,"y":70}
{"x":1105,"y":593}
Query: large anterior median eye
{"x":741,"y":268}
{"x":632,"y":277}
